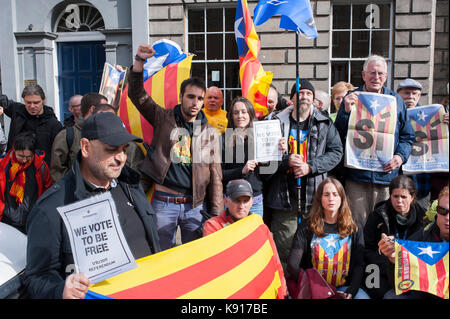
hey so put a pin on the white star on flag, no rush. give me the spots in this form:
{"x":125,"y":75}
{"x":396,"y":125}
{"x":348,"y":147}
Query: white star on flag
{"x":238,"y":33}
{"x":114,"y":76}
{"x":331,"y":242}
{"x":421,"y":116}
{"x":427,"y":251}
{"x":374,"y":104}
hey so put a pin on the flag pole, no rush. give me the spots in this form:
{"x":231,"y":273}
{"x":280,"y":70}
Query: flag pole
{"x":297,"y":107}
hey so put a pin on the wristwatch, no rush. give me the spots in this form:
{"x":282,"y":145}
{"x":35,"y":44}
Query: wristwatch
{"x":138,"y":58}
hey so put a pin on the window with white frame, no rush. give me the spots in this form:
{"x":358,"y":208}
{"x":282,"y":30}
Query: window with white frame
{"x":359,"y":30}
{"x":211,"y":38}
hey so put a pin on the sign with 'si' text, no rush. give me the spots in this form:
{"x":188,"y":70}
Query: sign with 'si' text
{"x":99,"y":247}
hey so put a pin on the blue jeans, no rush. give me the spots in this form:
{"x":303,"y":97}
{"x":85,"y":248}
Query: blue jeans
{"x":171,"y":215}
{"x":360,"y":294}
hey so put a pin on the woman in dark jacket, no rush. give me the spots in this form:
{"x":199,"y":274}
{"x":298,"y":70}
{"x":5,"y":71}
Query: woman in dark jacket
{"x":330,"y":242}
{"x":398,"y":217}
{"x":237,"y":151}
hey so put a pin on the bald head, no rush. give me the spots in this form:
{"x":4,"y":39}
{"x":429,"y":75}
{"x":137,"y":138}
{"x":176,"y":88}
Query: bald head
{"x":213,"y":98}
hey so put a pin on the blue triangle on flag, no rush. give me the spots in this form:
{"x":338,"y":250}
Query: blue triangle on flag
{"x":430,"y":253}
{"x":423,"y":114}
{"x":375,"y":103}
{"x":331,"y":244}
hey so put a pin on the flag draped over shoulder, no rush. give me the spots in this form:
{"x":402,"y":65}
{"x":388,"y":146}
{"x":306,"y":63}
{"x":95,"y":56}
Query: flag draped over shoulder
{"x":431,"y":147}
{"x":371,"y":129}
{"x":239,"y":262}
{"x":255,"y":82}
{"x":296,"y":15}
{"x":421,"y":266}
{"x":163,"y":74}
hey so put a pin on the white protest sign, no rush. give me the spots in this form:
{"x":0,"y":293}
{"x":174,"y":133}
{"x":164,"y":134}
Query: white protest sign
{"x":99,"y":247}
{"x":267,"y":135}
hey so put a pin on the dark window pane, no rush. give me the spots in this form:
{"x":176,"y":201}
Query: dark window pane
{"x":341,"y":17}
{"x":214,"y":18}
{"x":197,"y":46}
{"x":229,"y":96}
{"x":231,"y":51}
{"x":215,"y":46}
{"x":355,"y":74}
{"x":339,"y":72}
{"x":230,"y":14}
{"x":380,"y":43}
{"x":360,"y":44}
{"x":196,"y":21}
{"x":361,"y":18}
{"x":385,"y":16}
{"x":232,"y":75}
{"x":215,"y":74}
{"x":341,"y":48}
{"x":198,"y":70}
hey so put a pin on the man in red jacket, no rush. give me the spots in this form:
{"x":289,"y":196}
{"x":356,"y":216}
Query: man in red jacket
{"x":24,"y":176}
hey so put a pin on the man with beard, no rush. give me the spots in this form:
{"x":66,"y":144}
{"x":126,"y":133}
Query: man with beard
{"x":320,"y":151}
{"x":183,"y":160}
{"x":99,"y":167}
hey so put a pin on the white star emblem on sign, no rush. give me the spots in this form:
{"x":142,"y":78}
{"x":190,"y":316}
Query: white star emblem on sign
{"x":374,"y":104}
{"x":331,"y":242}
{"x":427,"y":251}
{"x":421,"y":116}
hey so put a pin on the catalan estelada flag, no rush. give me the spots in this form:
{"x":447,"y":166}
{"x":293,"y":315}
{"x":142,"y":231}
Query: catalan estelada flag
{"x":238,"y":261}
{"x":431,"y":147}
{"x":331,"y":257}
{"x":163,"y":74}
{"x":255,"y":82}
{"x":371,"y":132}
{"x":421,"y":266}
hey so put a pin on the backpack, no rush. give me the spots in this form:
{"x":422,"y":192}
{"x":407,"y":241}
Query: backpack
{"x":70,"y":135}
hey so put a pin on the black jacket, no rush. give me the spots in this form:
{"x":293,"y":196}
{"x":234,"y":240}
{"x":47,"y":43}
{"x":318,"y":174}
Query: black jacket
{"x":382,"y":220}
{"x":324,"y":153}
{"x":49,"y":255}
{"x":45,"y":126}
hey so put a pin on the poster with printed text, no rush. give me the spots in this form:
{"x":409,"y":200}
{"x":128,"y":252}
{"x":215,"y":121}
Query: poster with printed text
{"x":267,"y":135}
{"x":430,"y":150}
{"x":99,"y":247}
{"x":371,"y":132}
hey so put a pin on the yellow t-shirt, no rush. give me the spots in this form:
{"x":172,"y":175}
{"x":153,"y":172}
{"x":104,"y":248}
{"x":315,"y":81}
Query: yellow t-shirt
{"x":217,"y":119}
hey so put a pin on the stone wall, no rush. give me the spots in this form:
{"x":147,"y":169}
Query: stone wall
{"x":420,"y":42}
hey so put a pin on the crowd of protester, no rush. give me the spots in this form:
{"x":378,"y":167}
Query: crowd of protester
{"x":360,"y":209}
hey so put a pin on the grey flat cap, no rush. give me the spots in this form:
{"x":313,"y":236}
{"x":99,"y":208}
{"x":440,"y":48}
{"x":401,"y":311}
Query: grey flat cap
{"x":409,"y":83}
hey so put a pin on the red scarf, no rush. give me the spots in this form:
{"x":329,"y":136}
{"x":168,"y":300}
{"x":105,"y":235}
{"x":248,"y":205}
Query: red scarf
{"x":17,"y":174}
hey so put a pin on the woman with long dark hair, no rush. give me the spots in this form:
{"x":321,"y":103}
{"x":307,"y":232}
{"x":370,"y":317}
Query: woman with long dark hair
{"x":237,"y":150}
{"x":398,"y":217}
{"x":330,"y":242}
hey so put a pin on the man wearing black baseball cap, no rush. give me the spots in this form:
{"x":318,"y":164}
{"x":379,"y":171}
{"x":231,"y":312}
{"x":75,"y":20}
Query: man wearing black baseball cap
{"x":238,"y":201}
{"x":99,"y":167}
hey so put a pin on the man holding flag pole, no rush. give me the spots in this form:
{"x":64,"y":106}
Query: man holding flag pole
{"x":314,"y":144}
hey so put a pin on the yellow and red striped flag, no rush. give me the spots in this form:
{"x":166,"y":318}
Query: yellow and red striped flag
{"x":421,"y":266}
{"x":164,"y":88}
{"x":255,"y":82}
{"x":163,"y":75}
{"x":238,"y":262}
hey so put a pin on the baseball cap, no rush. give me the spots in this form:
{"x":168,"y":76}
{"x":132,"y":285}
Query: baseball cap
{"x":108,"y":128}
{"x":239,"y":187}
{"x":409,"y":83}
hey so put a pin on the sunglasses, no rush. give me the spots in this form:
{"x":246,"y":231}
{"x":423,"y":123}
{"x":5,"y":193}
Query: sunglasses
{"x":441,"y":211}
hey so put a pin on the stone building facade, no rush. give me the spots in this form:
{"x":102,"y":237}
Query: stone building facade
{"x":411,"y":34}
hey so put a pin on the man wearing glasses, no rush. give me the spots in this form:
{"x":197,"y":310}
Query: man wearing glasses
{"x":369,"y":187}
{"x":75,"y":109}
